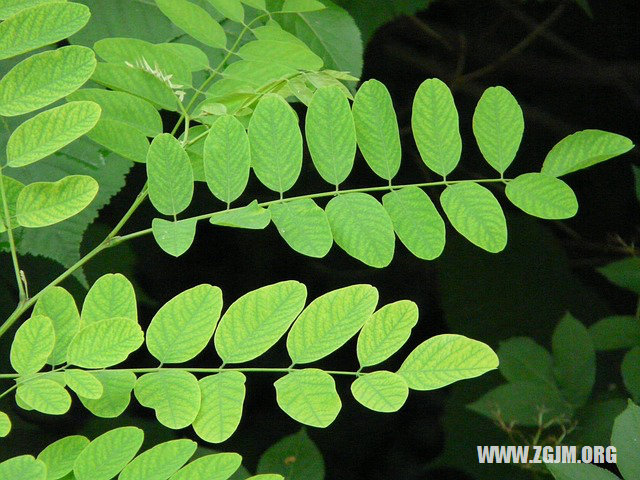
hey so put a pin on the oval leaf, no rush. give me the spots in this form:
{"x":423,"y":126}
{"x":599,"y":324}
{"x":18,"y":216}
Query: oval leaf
{"x":32,"y":345}
{"x":194,"y":21}
{"x":112,"y":295}
{"x":476,"y":214}
{"x":330,"y":321}
{"x":58,"y":304}
{"x":161,"y":461}
{"x":445,"y":359}
{"x":542,"y":196}
{"x":5,"y":425}
{"x":295,"y":456}
{"x":60,"y":456}
{"x":231,"y":9}
{"x":41,"y":204}
{"x":117,"y":386}
{"x":309,"y":396}
{"x":23,"y":467}
{"x":219,"y":466}
{"x":108,"y":454}
{"x":45,"y":396}
{"x":362,"y":228}
{"x":221,"y":409}
{"x":381,"y":391}
{"x":175,"y":238}
{"x":83,"y":383}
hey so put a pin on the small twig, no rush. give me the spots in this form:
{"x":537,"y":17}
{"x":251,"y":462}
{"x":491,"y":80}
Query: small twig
{"x":431,"y":33}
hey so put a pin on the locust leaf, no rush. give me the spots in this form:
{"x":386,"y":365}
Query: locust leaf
{"x":23,"y":467}
{"x":631,"y":372}
{"x":221,"y":409}
{"x":41,"y":79}
{"x":542,"y":196}
{"x":330,"y":321}
{"x":381,"y":391}
{"x":257,"y":320}
{"x":161,"y":461}
{"x":121,"y":139}
{"x":12,"y":190}
{"x":45,"y":203}
{"x":11,"y":7}
{"x":284,"y":52}
{"x":194,"y":21}
{"x":624,"y":273}
{"x":5,"y":425}
{"x":174,"y":237}
{"x":32,"y":345}
{"x":108,"y":454}
{"x":253,"y":217}
{"x":116,"y":396}
{"x":45,"y":396}
{"x":219,"y":466}
{"x":436,"y":127}
{"x":60,"y":456}
{"x":362,"y":228}
{"x":231,"y":9}
{"x":184,"y":325}
{"x":377,"y":129}
{"x":84,"y":383}
{"x":298,"y":6}
{"x":112,"y":295}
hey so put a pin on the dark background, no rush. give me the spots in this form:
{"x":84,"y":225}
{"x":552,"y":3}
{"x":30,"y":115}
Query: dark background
{"x":576,"y":73}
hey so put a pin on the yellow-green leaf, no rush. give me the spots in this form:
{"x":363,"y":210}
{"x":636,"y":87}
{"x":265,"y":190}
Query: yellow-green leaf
{"x":60,"y":456}
{"x":117,"y":387}
{"x":108,"y":454}
{"x":219,"y":466}
{"x":32,"y":345}
{"x":112,"y":295}
{"x":5,"y":425}
{"x":45,"y":396}
{"x":194,"y":21}
{"x":221,"y":409}
{"x":253,"y":217}
{"x":381,"y":391}
{"x":174,"y":237}
{"x":24,"y":467}
{"x":542,"y":196}
{"x":161,"y":461}
{"x":84,"y":383}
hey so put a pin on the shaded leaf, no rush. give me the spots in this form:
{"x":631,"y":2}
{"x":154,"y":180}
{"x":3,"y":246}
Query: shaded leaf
{"x":522,"y":359}
{"x":615,"y":332}
{"x":219,"y":466}
{"x":631,"y":372}
{"x":577,"y":471}
{"x":60,"y":456}
{"x":624,"y":273}
{"x":627,"y":441}
{"x":295,"y":456}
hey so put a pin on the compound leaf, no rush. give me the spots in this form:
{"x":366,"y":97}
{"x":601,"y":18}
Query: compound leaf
{"x":170,"y":175}
{"x":276,"y":143}
{"x":41,"y":79}
{"x":60,"y":456}
{"x":117,"y":386}
{"x":295,"y":456}
{"x":173,"y":394}
{"x":84,"y":383}
{"x":32,"y":345}
{"x":331,"y":134}
{"x":304,"y":226}
{"x":253,"y":217}
{"x":416,"y":221}
{"x":330,"y":321}
{"x":184,"y":325}
{"x":498,"y":125}
{"x":194,"y":21}
{"x":309,"y":396}
{"x":386,"y":331}
{"x":105,"y":343}
{"x":445,"y":359}
{"x":377,"y":129}
{"x":161,"y":461}
{"x":584,"y":149}
{"x":542,"y":196}
{"x":381,"y":391}
{"x":24,"y":467}
{"x":112,"y":295}
{"x":49,"y":131}
{"x":221,"y":409}
{"x":219,"y":466}
{"x":362,"y":228}
{"x":108,"y":454}
{"x":257,"y":4}
{"x":227,"y":158}
{"x":45,"y":203}
{"x":39,"y":26}
{"x":45,"y":396}
{"x":257,"y":320}
{"x":174,"y":237}
{"x":476,"y":214}
{"x":436,"y":127}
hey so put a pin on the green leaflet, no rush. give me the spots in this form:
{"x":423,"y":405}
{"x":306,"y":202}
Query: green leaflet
{"x":108,"y":454}
{"x":298,"y":6}
{"x":11,"y":7}
{"x":331,"y":134}
{"x":59,"y":306}
{"x":221,"y":409}
{"x":184,"y":325}
{"x":542,"y":196}
{"x":362,"y":228}
{"x":386,"y":331}
{"x":330,"y":321}
{"x":123,"y":107}
{"x":219,"y":466}
{"x":192,"y":56}
{"x":257,"y":4}
{"x":32,"y":345}
{"x":309,"y":396}
{"x":257,"y":320}
{"x":174,"y":395}
{"x":23,"y":467}
{"x":615,"y":332}
{"x":45,"y":396}
{"x":381,"y":391}
{"x":276,"y":143}
{"x":5,"y":425}
{"x":175,"y":238}
{"x":631,"y":372}
{"x":117,"y":387}
{"x":170,"y":175}
{"x":291,"y":54}
{"x":231,"y":9}
{"x":520,"y":402}
{"x":227,"y":158}
{"x":161,"y":461}
{"x":445,"y":359}
{"x":625,"y":438}
{"x":253,"y":217}
{"x":12,"y":189}
{"x":194,"y":21}
{"x":45,"y":203}
{"x":84,"y":383}
{"x":377,"y":129}
{"x":39,"y":26}
{"x":574,"y":360}
{"x":49,"y":131}
{"x":498,"y":125}
{"x":112,"y":295}
{"x":41,"y":79}
{"x":308,"y":464}
{"x":105,"y":343}
{"x":60,"y":456}
{"x":137,"y":82}
{"x":522,"y":359}
{"x":624,"y":273}
{"x":304,"y":226}
{"x":584,"y":149}
{"x":416,"y":221}
{"x":436,"y":127}
{"x":476,"y":214}
{"x":576,"y":471}
{"x":121,"y":139}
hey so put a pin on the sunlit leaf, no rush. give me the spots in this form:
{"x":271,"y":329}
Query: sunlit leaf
{"x":117,"y":387}
{"x":381,"y":391}
{"x":542,"y":196}
{"x":221,"y":409}
{"x":32,"y":345}
{"x":84,"y":383}
{"x":108,"y":454}
{"x":59,"y":306}
{"x":175,"y":238}
{"x":219,"y":466}
{"x":304,"y":226}
{"x":112,"y":295}
{"x":45,"y":396}
{"x":5,"y":425}
{"x":194,"y":21}
{"x":23,"y":467}
{"x":253,"y":217}
{"x":161,"y":461}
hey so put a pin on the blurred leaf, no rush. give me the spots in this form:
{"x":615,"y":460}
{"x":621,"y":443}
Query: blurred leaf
{"x":295,"y":457}
{"x":577,"y":471}
{"x":627,"y":441}
{"x":615,"y":332}
{"x":624,"y":273}
{"x":631,"y":372}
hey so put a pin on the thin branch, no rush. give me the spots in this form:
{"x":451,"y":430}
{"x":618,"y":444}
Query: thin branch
{"x":430,"y":32}
{"x":12,"y":245}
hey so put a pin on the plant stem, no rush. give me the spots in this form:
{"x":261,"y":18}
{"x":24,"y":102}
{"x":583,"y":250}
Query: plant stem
{"x":12,"y":245}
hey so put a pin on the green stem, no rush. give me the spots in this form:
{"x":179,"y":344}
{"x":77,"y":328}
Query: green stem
{"x":12,"y":245}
